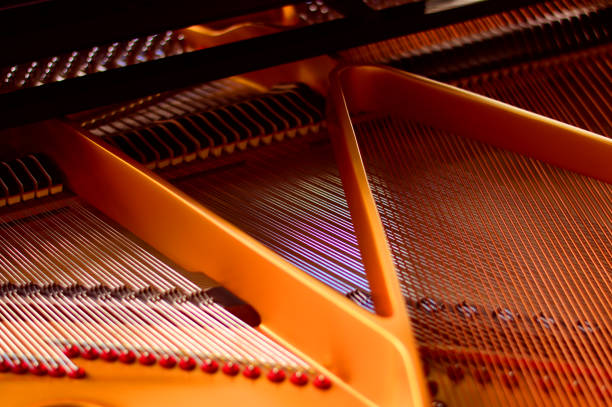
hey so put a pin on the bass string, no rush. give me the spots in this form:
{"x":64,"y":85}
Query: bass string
{"x":236,"y":323}
{"x":545,"y":299}
{"x":26,"y":342}
{"x":423,"y":283}
{"x":222,"y":316}
{"x":387,"y":131}
{"x":134,"y":320}
{"x":575,"y":284}
{"x":571,"y":88}
{"x":467,"y":32}
{"x":532,"y":346}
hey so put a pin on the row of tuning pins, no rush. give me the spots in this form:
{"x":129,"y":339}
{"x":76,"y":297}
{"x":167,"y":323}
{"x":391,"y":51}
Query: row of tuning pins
{"x":44,"y":331}
{"x":96,"y":59}
{"x":69,"y":246}
{"x":506,"y":315}
{"x":74,"y":286}
{"x":484,"y":368}
{"x":469,"y":311}
{"x":574,"y":378}
{"x":545,"y":377}
{"x":43,"y":334}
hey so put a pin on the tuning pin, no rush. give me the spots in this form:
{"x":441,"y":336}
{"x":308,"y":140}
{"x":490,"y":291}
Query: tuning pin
{"x":299,"y":378}
{"x":466,"y":310}
{"x":127,"y":357}
{"x":544,"y":321}
{"x":187,"y":363}
{"x":322,"y":382}
{"x":147,"y":359}
{"x":276,"y":375}
{"x":210,"y":366}
{"x":586,"y":327}
{"x":5,"y":366}
{"x":252,"y":372}
{"x":482,"y":375}
{"x":20,"y":368}
{"x":230,"y":368}
{"x":90,"y":353}
{"x":167,"y":361}
{"x":503,"y":314}
{"x":39,"y":369}
{"x":57,"y":371}
{"x":72,"y":351}
{"x":428,"y":304}
{"x":109,"y":355}
{"x":78,"y":373}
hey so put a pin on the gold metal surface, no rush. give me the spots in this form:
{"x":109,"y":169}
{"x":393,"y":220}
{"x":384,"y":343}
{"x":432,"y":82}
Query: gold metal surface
{"x":297,"y":310}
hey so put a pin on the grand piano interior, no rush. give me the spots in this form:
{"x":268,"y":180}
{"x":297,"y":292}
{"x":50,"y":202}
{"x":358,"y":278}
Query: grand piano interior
{"x":277,"y":202}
